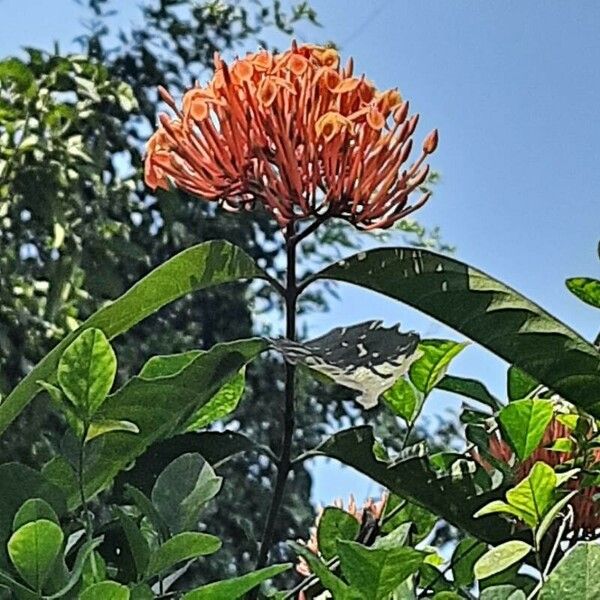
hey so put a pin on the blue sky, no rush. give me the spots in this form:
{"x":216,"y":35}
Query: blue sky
{"x":514,"y":89}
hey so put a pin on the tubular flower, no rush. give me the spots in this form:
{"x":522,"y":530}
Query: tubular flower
{"x":369,"y":514}
{"x":586,"y":510}
{"x":295,"y":133}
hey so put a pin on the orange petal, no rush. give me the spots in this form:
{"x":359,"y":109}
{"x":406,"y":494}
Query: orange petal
{"x":267,"y":92}
{"x":347,"y":85}
{"x":375,"y":119}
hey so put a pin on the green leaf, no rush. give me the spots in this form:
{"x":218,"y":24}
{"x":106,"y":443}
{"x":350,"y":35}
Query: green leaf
{"x":470,"y":388}
{"x":34,"y":509}
{"x":209,"y":264}
{"x":464,"y":557}
{"x":534,"y":496}
{"x":561,"y":445}
{"x":60,"y":472}
{"x":236,"y":587}
{"x":376,"y":573}
{"x":15,"y":71}
{"x":404,"y":399}
{"x":335,"y":524}
{"x":497,"y":506}
{"x":519,"y":384}
{"x":86,"y":371}
{"x":524,"y":423}
{"x":428,"y":370}
{"x":503,"y":592}
{"x":147,"y":509}
{"x":173,"y":399}
{"x":453,"y":499}
{"x":501,"y":557}
{"x":575,"y":576}
{"x":168,"y":364}
{"x":19,"y":484}
{"x":224,"y":402}
{"x":586,"y":289}
{"x":484,"y":310}
{"x":551,"y":515}
{"x":8,"y":583}
{"x":183,"y":546}
{"x":106,"y":590}
{"x":215,"y":447}
{"x":331,"y":582}
{"x":182,"y":489}
{"x":140,"y":551}
{"x":80,"y":560}
{"x":421,"y":519}
{"x":33,"y":550}
{"x":105,"y":426}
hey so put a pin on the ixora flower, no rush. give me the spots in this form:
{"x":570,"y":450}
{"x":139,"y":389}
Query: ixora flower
{"x":368,"y":518}
{"x":296,"y":133}
{"x":586,"y":510}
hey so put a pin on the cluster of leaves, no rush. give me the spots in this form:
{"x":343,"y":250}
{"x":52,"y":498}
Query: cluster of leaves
{"x":162,"y":413}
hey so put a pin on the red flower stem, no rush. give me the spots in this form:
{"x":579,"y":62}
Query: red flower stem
{"x":283,"y":469}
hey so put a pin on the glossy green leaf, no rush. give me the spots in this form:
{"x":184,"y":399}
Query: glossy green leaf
{"x":497,"y":506}
{"x":75,"y":575}
{"x":575,"y":576}
{"x":422,"y":520}
{"x":454,"y":499}
{"x":19,"y":483}
{"x":586,"y":289}
{"x":86,"y":371}
{"x":183,"y":546}
{"x":105,"y":426}
{"x":205,"y":265}
{"x":501,"y":557}
{"x":106,"y":590}
{"x":428,"y":370}
{"x":551,"y":515}
{"x":173,"y":400}
{"x":335,"y":524}
{"x":561,"y":445}
{"x":236,"y":587}
{"x":519,"y":385}
{"x":182,"y":489}
{"x":374,"y":572}
{"x":404,"y":399}
{"x":470,"y":388}
{"x":329,"y":581}
{"x":484,"y":310}
{"x":534,"y":496}
{"x":223,"y":403}
{"x":503,"y":592}
{"x":34,"y":509}
{"x":524,"y":423}
{"x":33,"y":550}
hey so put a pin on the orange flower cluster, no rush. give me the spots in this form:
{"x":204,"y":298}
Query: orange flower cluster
{"x":371,"y":510}
{"x":296,"y":133}
{"x":586,"y":510}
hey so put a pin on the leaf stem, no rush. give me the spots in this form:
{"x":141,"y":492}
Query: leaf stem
{"x":285,"y":463}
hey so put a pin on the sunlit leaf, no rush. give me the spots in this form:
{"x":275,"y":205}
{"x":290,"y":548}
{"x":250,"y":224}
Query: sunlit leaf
{"x":501,"y":557}
{"x":106,"y":590}
{"x":33,"y":549}
{"x":236,"y":587}
{"x":335,"y":524}
{"x":105,"y":426}
{"x":377,"y":572}
{"x":208,"y":264}
{"x":575,"y":576}
{"x":183,"y":546}
{"x":534,"y":496}
{"x":436,"y":355}
{"x":404,"y":399}
{"x":484,"y":310}
{"x":586,"y":289}
{"x":86,"y":371}
{"x":524,"y":423}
